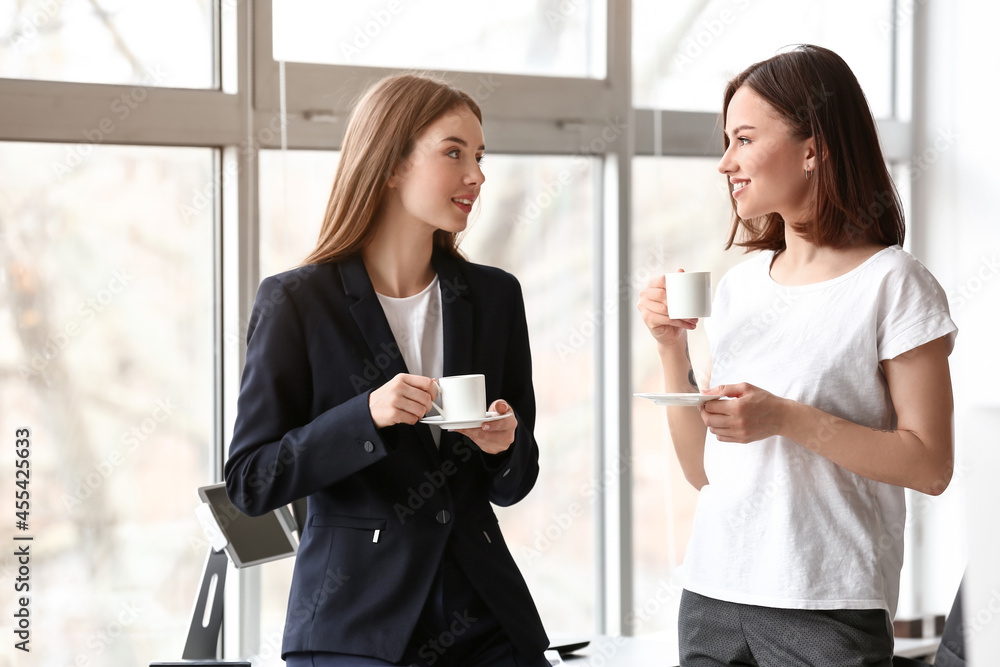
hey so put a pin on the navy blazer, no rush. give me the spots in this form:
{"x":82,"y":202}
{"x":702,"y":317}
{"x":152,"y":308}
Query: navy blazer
{"x":382,"y":503}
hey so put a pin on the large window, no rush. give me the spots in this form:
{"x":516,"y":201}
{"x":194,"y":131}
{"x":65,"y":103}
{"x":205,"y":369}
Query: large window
{"x":109,"y":41}
{"x":106,"y":347}
{"x":685,"y":51}
{"x":538,"y":221}
{"x":517,"y":37}
{"x":157,"y":160}
{"x":681,"y":218}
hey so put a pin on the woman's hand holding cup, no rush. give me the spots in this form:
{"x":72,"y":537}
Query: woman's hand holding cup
{"x":404,"y":399}
{"x":656,"y":315}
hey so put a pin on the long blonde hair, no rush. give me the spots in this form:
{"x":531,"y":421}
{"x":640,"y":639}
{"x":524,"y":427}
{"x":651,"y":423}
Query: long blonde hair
{"x":381,"y":133}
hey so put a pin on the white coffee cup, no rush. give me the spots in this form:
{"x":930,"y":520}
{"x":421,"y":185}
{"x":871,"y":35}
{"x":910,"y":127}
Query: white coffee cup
{"x":461,"y":397}
{"x":689,"y":294}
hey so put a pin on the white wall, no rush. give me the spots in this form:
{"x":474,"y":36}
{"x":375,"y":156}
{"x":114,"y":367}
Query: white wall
{"x":955,"y":216}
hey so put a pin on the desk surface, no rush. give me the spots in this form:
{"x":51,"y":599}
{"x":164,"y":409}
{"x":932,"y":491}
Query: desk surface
{"x":917,"y":648}
{"x":642,"y":651}
{"x":621,"y":651}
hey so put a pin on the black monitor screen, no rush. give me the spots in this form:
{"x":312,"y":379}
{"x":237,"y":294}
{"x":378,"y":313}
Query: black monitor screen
{"x":252,"y":539}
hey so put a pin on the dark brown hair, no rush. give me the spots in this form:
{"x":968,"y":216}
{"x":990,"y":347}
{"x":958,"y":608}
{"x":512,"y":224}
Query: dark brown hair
{"x":817,"y":95}
{"x":381,"y":133}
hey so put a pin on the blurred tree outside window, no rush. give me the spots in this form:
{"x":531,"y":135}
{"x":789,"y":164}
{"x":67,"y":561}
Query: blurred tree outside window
{"x":106,"y":355}
{"x":141,"y":42}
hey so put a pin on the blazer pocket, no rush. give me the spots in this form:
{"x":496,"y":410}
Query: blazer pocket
{"x":490,"y":530}
{"x":339,"y":521}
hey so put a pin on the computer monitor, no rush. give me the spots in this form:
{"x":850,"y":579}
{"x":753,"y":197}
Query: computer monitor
{"x":244,"y":540}
{"x":250,"y":540}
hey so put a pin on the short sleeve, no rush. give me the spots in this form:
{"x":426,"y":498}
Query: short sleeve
{"x":913,"y":310}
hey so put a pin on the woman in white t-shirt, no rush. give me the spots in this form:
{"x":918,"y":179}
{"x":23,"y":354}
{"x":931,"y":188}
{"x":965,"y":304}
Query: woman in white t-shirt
{"x":831,"y":347}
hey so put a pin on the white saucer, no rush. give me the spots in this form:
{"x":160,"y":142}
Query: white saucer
{"x":679,"y":400}
{"x":436,"y":420}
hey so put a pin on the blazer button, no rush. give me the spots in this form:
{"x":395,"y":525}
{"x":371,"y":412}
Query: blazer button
{"x":443,"y":517}
{"x":369,"y":447}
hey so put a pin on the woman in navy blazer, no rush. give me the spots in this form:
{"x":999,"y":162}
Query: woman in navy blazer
{"x":401,"y":560}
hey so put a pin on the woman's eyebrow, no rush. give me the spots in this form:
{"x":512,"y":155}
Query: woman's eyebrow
{"x":457,"y":140}
{"x":741,"y":128}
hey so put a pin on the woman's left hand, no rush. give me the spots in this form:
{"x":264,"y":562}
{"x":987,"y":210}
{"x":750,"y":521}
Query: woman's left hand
{"x":497,"y":436}
{"x":751,"y":414}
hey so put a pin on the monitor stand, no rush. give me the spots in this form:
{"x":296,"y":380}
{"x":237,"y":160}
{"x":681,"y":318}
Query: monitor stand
{"x":206,"y":620}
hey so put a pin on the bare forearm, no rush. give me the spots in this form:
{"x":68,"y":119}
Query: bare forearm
{"x":902,"y":458}
{"x":687,"y":430}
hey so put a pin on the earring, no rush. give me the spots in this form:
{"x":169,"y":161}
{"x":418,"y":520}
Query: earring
{"x":809,"y":174}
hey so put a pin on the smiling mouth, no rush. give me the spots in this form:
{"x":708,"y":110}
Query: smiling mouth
{"x":463,"y":203}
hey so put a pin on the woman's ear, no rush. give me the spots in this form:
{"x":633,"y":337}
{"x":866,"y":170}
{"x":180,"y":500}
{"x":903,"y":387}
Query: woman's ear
{"x":811,"y":158}
{"x":397,"y":173}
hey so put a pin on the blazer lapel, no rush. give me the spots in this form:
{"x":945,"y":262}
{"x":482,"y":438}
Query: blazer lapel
{"x":457,"y":314}
{"x":457,"y":322}
{"x":370,"y":318}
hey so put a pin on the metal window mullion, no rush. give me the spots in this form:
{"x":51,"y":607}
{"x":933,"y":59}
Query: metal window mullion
{"x":331,"y":90}
{"x":239,"y":187}
{"x":699,"y":134}
{"x":614,"y":426}
{"x":96,"y":114}
{"x":917,"y":232}
{"x":217,"y":454}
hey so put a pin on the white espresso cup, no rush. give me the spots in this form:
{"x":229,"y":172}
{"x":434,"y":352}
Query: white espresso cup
{"x":689,"y":295}
{"x":461,"y":397}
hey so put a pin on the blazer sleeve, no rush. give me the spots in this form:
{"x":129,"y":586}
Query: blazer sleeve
{"x":280,"y":452}
{"x":514,"y":471}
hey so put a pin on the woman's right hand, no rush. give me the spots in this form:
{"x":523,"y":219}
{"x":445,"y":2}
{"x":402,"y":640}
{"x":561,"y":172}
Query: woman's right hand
{"x":653,"y":306}
{"x":404,"y":399}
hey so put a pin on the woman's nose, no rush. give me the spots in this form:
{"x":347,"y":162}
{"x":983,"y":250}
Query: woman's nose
{"x":475,"y":176}
{"x":726,"y":163}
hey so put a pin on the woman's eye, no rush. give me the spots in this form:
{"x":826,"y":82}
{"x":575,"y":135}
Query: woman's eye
{"x":480,"y":158}
{"x":452,"y":153}
{"x":743,"y":141}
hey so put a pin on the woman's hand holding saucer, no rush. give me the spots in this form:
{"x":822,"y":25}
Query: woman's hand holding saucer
{"x":751,"y":414}
{"x":497,"y":436}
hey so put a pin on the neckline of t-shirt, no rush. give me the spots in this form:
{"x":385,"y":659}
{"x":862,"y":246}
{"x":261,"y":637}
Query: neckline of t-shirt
{"x":823,"y":284}
{"x":413,"y":297}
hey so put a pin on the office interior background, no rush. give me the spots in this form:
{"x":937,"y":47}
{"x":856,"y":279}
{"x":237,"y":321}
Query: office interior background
{"x":157,"y":159}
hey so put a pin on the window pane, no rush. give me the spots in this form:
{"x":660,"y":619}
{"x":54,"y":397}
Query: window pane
{"x":106,"y":343}
{"x":538,"y":221}
{"x":685,"y":51}
{"x":276,"y":581}
{"x":540,"y":37}
{"x":527,"y":223}
{"x":681,"y":217}
{"x":112,"y":41}
{"x":294,"y":189}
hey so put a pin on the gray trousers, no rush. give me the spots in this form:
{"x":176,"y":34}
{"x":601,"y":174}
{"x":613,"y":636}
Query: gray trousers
{"x":714,"y":633}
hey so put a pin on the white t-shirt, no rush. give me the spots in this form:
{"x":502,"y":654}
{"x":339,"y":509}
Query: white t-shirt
{"x":778,"y":525}
{"x":418,"y":328}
